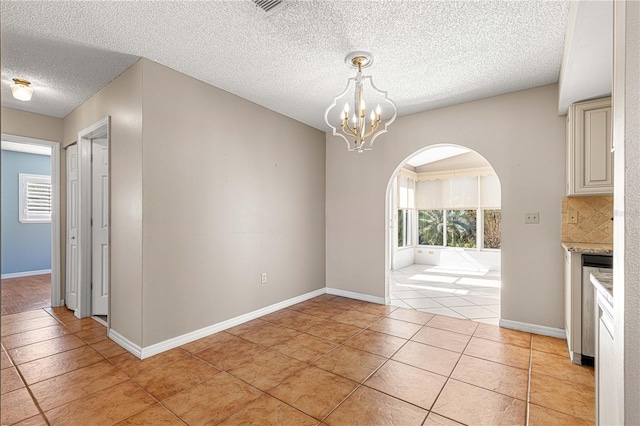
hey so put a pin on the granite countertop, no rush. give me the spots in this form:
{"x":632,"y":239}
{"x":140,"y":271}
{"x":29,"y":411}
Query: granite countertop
{"x":588,"y":248}
{"x":603,"y":282}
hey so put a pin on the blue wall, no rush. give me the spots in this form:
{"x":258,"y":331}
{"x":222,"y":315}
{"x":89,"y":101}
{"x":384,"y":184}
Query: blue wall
{"x":25,"y":246}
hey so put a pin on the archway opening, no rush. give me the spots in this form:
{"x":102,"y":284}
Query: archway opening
{"x":444,"y":211}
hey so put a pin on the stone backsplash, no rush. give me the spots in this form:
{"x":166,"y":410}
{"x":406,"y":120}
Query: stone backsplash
{"x":594,"y":224}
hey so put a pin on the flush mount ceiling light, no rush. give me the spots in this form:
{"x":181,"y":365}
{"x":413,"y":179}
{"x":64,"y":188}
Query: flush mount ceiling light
{"x":363,"y":126}
{"x":21,"y":90}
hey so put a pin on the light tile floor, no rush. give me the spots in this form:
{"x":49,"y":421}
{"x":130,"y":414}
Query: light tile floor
{"x":329,"y":360}
{"x":461,"y":294}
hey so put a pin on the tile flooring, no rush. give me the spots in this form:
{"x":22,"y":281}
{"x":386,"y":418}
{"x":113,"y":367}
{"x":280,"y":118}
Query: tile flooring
{"x":461,"y":294}
{"x":329,"y":360}
{"x":25,"y":293}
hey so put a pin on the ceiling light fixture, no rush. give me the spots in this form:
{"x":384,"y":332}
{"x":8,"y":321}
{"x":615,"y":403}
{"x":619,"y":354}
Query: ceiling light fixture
{"x":364,"y":126}
{"x":21,"y":90}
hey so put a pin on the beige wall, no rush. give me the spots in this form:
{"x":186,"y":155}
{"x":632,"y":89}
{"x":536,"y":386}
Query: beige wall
{"x":27,"y":124}
{"x":122,"y":100}
{"x":231,"y":190}
{"x":521,"y":136}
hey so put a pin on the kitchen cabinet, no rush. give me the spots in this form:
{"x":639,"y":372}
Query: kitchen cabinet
{"x":606,"y":391}
{"x":589,"y":143}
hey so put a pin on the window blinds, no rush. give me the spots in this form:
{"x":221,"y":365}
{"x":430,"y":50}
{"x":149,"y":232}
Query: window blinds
{"x":406,"y":192}
{"x":490,"y":192}
{"x":467,"y":192}
{"x":35,"y":198}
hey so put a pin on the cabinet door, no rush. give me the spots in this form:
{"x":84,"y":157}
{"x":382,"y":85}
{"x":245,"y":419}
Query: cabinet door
{"x":606,"y":400}
{"x":589,"y":138}
{"x":596,"y":155}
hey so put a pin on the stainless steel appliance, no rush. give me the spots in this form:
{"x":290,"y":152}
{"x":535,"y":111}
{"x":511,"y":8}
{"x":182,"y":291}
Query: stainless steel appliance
{"x":590,"y":263}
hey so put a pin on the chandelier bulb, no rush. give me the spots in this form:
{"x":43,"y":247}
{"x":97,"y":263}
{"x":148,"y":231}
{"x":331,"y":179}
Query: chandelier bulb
{"x":346,"y":107}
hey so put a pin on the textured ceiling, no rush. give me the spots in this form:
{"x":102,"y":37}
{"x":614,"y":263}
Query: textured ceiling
{"x":427,"y":54}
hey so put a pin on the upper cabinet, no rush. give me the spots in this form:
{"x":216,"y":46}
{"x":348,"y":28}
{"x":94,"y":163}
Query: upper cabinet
{"x":589,"y":153}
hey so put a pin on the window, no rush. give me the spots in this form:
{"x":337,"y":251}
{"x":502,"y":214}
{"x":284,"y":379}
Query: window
{"x":430,"y":227}
{"x":459,"y":209}
{"x":34,"y":198}
{"x":492,"y":228}
{"x":405,"y":228}
{"x":461,"y":228}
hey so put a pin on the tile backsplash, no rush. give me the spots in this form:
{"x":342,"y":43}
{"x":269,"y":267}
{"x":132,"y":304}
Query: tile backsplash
{"x":594,"y":224}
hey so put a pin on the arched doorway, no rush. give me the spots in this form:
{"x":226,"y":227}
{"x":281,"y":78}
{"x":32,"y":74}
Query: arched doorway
{"x":444,"y":234}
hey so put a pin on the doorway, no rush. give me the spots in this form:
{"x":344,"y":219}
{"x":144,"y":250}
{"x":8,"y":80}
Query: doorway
{"x":39,"y":199}
{"x":444,"y":221}
{"x":87,"y":289}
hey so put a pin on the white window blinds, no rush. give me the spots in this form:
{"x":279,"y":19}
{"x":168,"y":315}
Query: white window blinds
{"x":466,"y":192}
{"x":406,"y":192}
{"x":490,"y":192}
{"x":35,"y":198}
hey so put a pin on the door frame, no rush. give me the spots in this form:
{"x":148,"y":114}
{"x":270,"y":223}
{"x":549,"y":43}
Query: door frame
{"x":100,"y":129}
{"x":57,"y":298}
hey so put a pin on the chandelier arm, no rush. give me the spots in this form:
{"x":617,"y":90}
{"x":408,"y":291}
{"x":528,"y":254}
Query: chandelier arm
{"x":372,"y":131}
{"x":351,"y":130}
{"x":351,"y":135}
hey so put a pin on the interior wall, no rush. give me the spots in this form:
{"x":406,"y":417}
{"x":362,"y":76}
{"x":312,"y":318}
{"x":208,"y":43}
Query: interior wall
{"x":521,"y":136}
{"x":122,"y":100}
{"x":458,"y":258}
{"x":26,"y":247}
{"x":231,"y":190}
{"x":28,"y":124}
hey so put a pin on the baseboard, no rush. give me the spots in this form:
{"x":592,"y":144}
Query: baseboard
{"x":125,"y":343}
{"x":358,"y":296}
{"x":25,"y":274}
{"x":533,"y":328}
{"x":157,"y":348}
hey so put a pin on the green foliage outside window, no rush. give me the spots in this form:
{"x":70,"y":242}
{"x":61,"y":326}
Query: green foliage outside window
{"x":430,"y":227}
{"x":461,"y":228}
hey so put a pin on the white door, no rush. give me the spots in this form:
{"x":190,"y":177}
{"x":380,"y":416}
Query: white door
{"x":100,"y":226}
{"x":71,"y":296}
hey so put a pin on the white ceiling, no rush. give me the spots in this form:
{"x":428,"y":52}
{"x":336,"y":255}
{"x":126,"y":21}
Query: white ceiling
{"x":438,"y":153}
{"x":428,"y":54}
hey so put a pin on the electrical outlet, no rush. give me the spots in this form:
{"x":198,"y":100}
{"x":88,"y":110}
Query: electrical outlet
{"x":263,"y":278}
{"x":532,"y":218}
{"x":573,"y":216}
{"x":419,"y":251}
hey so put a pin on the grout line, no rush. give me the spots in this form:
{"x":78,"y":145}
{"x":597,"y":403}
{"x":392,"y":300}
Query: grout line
{"x":28,"y":389}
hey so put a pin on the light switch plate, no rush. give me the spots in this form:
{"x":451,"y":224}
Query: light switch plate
{"x":532,"y":218}
{"x":573,"y":216}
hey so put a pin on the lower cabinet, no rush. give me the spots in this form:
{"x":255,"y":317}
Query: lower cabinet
{"x":606,"y":398}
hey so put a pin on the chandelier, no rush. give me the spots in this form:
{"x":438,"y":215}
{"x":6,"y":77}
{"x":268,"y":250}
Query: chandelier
{"x":354,"y":123}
